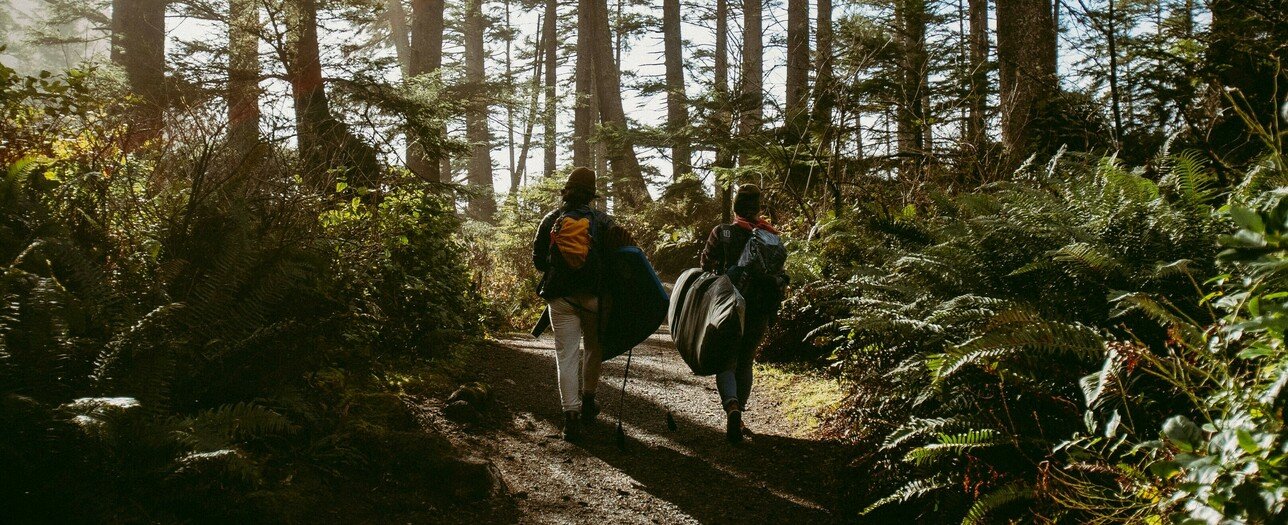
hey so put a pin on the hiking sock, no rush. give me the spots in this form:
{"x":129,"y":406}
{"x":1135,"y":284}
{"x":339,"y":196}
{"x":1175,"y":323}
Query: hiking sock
{"x":572,"y":426}
{"x":589,"y":408}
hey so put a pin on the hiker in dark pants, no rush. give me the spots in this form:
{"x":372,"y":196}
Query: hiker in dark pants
{"x":723,"y":248}
{"x":568,"y":249}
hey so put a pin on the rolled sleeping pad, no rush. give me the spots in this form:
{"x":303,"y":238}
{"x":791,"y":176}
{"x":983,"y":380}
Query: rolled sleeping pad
{"x":706,"y":316}
{"x":634,"y":302}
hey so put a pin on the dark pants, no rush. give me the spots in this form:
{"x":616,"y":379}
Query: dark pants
{"x":735,"y":384}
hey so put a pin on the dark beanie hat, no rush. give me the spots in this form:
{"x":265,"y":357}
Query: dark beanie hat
{"x":747,"y":202}
{"x":582,"y":179}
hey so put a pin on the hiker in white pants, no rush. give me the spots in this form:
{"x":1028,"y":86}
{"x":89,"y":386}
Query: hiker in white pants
{"x":569,"y":249}
{"x":577,"y":365}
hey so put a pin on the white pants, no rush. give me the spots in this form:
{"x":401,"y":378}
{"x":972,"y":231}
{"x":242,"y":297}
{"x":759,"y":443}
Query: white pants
{"x":573,"y":319}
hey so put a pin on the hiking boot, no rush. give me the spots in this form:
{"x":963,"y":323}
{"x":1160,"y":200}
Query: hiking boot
{"x":572,"y":426}
{"x":733,"y":422}
{"x":589,"y":408}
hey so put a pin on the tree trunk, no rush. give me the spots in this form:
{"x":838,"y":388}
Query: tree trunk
{"x":509,"y":104}
{"x":975,"y":134}
{"x":399,"y":33}
{"x":138,"y":46}
{"x":426,"y":57}
{"x":243,"y":76}
{"x":629,"y":188}
{"x":1026,"y":56}
{"x":583,"y":117}
{"x":535,"y":89}
{"x":550,"y":123}
{"x":751,"y":94}
{"x":824,"y":78}
{"x":323,"y":141}
{"x":677,"y":114}
{"x":797,"y":64}
{"x":910,"y":15}
{"x":482,"y":205}
{"x":723,"y":118}
{"x":1115,"y":94}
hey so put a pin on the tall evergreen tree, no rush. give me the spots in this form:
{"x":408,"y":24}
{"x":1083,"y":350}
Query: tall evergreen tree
{"x":482,"y":204}
{"x":138,"y":46}
{"x":677,"y":114}
{"x":1027,"y":63}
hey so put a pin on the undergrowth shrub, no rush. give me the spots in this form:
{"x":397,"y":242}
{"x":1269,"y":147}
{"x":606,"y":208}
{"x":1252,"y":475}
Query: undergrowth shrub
{"x":190,"y":336}
{"x":968,"y":322}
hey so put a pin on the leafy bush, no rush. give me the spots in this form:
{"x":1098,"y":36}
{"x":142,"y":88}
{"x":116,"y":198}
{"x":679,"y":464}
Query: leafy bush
{"x":184,"y":332}
{"x":967,"y":335}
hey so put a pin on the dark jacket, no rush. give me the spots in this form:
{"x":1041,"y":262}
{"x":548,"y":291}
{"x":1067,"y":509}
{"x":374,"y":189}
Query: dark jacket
{"x":724,"y":246}
{"x":608,"y":237}
{"x":723,"y":249}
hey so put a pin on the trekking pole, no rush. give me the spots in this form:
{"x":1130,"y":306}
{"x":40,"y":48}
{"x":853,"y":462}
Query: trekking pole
{"x":621,"y":400}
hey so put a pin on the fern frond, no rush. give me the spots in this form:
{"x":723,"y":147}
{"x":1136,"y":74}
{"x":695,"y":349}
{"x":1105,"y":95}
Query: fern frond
{"x":1087,"y":257}
{"x":917,"y":427}
{"x":993,"y":500}
{"x":914,"y":489}
{"x":952,"y":444}
{"x":1013,"y":331}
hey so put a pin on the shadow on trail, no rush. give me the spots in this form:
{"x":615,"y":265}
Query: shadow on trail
{"x":775,"y":478}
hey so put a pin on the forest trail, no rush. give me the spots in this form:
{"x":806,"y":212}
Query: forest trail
{"x":689,"y":475}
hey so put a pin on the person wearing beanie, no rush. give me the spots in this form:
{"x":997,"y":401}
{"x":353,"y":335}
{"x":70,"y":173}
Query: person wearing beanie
{"x":567,"y":251}
{"x":723,"y":248}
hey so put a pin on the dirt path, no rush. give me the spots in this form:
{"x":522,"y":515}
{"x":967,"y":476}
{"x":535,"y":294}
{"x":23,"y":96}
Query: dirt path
{"x":690,"y":475}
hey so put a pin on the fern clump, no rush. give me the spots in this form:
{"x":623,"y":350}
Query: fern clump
{"x":183,"y":332}
{"x":967,"y":325}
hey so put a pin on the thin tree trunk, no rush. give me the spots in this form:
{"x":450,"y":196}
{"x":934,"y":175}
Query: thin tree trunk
{"x":538,"y":60}
{"x":629,"y":188}
{"x":138,"y":46}
{"x":677,"y":114}
{"x":979,"y":45}
{"x":509,"y":105}
{"x":550,"y":125}
{"x":723,"y":117}
{"x":824,"y":78}
{"x":1025,"y":53}
{"x":797,"y":63}
{"x":583,"y":118}
{"x":751,"y":85}
{"x":400,"y":34}
{"x":426,"y":57}
{"x":243,"y":76}
{"x":1115,"y":95}
{"x":482,"y":205}
{"x":910,"y":15}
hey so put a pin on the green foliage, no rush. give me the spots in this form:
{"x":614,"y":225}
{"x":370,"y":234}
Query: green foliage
{"x":182,"y":333}
{"x":967,"y":325}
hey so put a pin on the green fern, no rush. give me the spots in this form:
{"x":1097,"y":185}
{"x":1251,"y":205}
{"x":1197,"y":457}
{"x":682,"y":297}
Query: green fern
{"x":952,"y":444}
{"x":909,"y":492}
{"x":996,"y":499}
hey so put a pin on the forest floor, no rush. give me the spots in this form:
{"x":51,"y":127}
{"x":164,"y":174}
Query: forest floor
{"x":688,"y":475}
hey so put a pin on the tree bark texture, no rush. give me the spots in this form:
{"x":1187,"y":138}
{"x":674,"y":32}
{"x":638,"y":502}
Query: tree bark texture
{"x":797,"y":63}
{"x":1026,"y":60}
{"x":583,"y":112}
{"x":551,"y":49}
{"x":138,"y":46}
{"x":482,"y":204}
{"x":910,"y":15}
{"x":426,"y":56}
{"x":677,"y":114}
{"x":628,"y":185}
